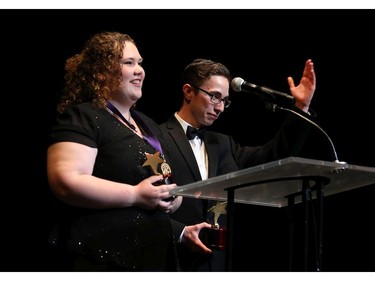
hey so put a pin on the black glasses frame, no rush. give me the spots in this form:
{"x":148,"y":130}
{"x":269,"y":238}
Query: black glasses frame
{"x":215,"y":99}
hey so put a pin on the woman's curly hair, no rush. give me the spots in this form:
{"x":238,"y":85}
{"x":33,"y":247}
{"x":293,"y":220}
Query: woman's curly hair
{"x":95,"y":72}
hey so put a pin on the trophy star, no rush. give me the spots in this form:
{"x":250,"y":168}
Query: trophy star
{"x":218,"y":209}
{"x":153,"y":160}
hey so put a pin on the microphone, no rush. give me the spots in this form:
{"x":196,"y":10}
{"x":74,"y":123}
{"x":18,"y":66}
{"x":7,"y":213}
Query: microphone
{"x":240,"y":85}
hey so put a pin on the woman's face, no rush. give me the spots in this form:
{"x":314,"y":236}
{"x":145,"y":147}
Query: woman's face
{"x":133,"y":73}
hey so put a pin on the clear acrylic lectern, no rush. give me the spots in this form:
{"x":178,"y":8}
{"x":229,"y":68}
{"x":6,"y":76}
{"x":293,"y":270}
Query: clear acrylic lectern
{"x":277,"y":184}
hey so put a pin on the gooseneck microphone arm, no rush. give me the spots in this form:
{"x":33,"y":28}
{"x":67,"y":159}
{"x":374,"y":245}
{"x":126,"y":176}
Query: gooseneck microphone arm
{"x":275,"y":107}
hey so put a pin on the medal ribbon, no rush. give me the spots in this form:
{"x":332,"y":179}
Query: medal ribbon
{"x":149,"y":136}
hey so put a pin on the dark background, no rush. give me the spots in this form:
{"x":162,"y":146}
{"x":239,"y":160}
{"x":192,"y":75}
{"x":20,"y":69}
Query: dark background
{"x":261,"y":46}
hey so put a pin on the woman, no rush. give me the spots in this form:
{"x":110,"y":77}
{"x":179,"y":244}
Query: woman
{"x":106,"y":161}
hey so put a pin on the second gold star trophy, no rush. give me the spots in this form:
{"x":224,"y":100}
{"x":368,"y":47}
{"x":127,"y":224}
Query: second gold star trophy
{"x":216,"y":236}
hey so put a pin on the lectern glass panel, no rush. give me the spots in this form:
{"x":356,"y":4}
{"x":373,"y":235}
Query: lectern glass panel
{"x":270,"y":184}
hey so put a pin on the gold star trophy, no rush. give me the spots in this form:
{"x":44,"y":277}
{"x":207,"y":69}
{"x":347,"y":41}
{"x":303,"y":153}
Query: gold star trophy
{"x":216,"y":236}
{"x":153,"y":160}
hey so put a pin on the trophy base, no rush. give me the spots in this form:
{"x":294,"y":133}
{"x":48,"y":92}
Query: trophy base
{"x":216,"y":237}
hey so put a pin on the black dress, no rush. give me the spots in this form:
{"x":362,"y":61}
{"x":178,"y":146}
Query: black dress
{"x":124,"y":239}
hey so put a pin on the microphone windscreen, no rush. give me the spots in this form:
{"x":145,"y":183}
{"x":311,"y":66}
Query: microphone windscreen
{"x":236,"y":84}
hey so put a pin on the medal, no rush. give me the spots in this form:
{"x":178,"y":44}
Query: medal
{"x":165,"y":169}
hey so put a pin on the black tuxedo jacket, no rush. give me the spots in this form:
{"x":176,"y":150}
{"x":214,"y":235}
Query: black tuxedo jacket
{"x":225,"y":155}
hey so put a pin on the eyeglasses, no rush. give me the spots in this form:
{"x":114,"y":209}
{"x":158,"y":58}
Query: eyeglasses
{"x":214,"y":98}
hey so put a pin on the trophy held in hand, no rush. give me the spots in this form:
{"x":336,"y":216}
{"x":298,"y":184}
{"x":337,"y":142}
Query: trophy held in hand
{"x":216,"y":236}
{"x":153,"y":160}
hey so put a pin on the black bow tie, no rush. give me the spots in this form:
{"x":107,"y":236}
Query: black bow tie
{"x":191,"y":132}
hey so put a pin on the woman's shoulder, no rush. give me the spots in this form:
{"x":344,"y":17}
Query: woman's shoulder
{"x":85,"y":110}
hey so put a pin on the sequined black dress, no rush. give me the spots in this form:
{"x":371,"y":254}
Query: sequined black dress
{"x":129,"y":239}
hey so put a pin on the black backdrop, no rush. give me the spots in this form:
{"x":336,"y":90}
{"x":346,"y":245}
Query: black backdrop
{"x":261,"y":46}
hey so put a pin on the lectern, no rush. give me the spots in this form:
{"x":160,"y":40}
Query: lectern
{"x":278,"y":184}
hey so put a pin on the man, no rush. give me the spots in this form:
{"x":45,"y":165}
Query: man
{"x":205,"y":87}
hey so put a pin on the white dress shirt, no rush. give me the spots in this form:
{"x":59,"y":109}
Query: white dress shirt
{"x":199,"y":149}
